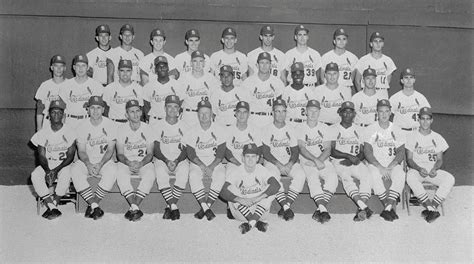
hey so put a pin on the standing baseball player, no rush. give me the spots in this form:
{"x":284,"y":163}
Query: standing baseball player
{"x":425,"y":150}
{"x":135,"y":142}
{"x":347,"y":151}
{"x":331,"y":95}
{"x":147,"y":64}
{"x":314,"y":142}
{"x":345,"y":59}
{"x":381,"y":63}
{"x":49,"y":90}
{"x":96,"y":137}
{"x":310,"y":58}
{"x":281,"y":153}
{"x":229,"y":55}
{"x":118,"y":93}
{"x":408,"y":102}
{"x":267,"y":35}
{"x":183,"y":60}
{"x":384,"y":149}
{"x":99,"y":57}
{"x":250,"y":190}
{"x":56,"y":150}
{"x":366,"y":100}
{"x":125,"y":51}
{"x":78,"y":90}
{"x":170,"y":153}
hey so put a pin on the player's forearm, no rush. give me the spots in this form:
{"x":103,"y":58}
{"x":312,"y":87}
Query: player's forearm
{"x":226,"y":194}
{"x":273,"y":186}
{"x":399,"y":156}
{"x":107,"y":156}
{"x":43,"y":161}
{"x":214,"y":163}
{"x":83,"y":157}
{"x":191,"y":152}
{"x":326,"y":153}
{"x":123,"y":159}
{"x":295,"y":154}
{"x":412,"y":164}
{"x":182,"y":156}
{"x":69,"y":158}
{"x":306,"y":154}
{"x":267,"y":155}
{"x":438,"y":164}
{"x":340,"y":155}
{"x":158,"y":154}
{"x":230,"y":157}
{"x":147,"y":159}
{"x":369,"y":155}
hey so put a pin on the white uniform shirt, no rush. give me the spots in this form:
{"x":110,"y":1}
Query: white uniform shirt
{"x":237,"y":60}
{"x":171,"y":137}
{"x":49,"y":91}
{"x":156,"y":93}
{"x":75,"y":95}
{"x":225,"y":103}
{"x":96,"y":138}
{"x":384,"y":141}
{"x":249,"y":184}
{"x":383,"y":66}
{"x":311,"y":60}
{"x":182,"y":62}
{"x":98,"y":62}
{"x":348,"y":140}
{"x":296,"y":101}
{"x":346,"y":62}
{"x":196,"y":89}
{"x":134,"y":55}
{"x":116,"y":96}
{"x":237,"y":139}
{"x":278,"y":60}
{"x":135,"y":142}
{"x":313,"y":138}
{"x":147,"y":64}
{"x":205,"y":142}
{"x":55,"y":142}
{"x":425,"y":148}
{"x":280,"y":140}
{"x":262,"y":93}
{"x":406,"y":108}
{"x":330,"y":101}
{"x":365,"y":107}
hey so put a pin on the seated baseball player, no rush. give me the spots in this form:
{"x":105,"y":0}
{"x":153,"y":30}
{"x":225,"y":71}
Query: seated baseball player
{"x":384,"y":149}
{"x":347,"y":151}
{"x":135,"y":142}
{"x":96,"y":137}
{"x":314,"y":142}
{"x":170,"y":153}
{"x":206,"y":148}
{"x":281,"y":153}
{"x":425,"y":150}
{"x":56,"y":150}
{"x":250,"y":190}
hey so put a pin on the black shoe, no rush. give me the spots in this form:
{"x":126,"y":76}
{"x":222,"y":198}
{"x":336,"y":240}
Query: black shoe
{"x":368,"y":212}
{"x":136,"y":215}
{"x":317,"y":216}
{"x":229,"y":214}
{"x":88,"y":212}
{"x":200,"y":215}
{"x":244,"y":228}
{"x":288,"y":215}
{"x":175,"y":215}
{"x":167,"y":213}
{"x":432,"y":216}
{"x":393,"y":214}
{"x":128,"y":215}
{"x":55,"y":213}
{"x":425,"y":213}
{"x":261,"y":226}
{"x":97,"y":213}
{"x":325,"y":217}
{"x":210,"y":214}
{"x":46,"y":213}
{"x":360,"y":216}
{"x":386,"y":215}
{"x":414,"y":201}
{"x":281,"y":212}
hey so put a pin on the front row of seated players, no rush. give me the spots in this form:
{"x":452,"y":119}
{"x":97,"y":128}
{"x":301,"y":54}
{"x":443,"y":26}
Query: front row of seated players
{"x":370,"y":157}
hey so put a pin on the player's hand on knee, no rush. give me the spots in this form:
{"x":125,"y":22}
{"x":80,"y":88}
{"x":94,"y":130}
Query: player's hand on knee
{"x":354,"y":160}
{"x":171,"y":165}
{"x":433,"y":173}
{"x":424,"y":173}
{"x":346,"y":162}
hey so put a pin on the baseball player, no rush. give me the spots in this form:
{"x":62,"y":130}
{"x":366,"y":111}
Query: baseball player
{"x":118,"y":93}
{"x":381,"y":63}
{"x":78,"y":90}
{"x":347,"y":151}
{"x":262,"y":89}
{"x":366,"y":100}
{"x":408,"y":102}
{"x":195,"y":87}
{"x":183,"y":60}
{"x":267,"y":35}
{"x":206,"y":148}
{"x":96,"y":137}
{"x":125,"y":51}
{"x":345,"y":59}
{"x":425,"y":150}
{"x":147,"y":64}
{"x":331,"y":95}
{"x":229,"y":55}
{"x":49,"y":90}
{"x":135,"y":142}
{"x":250,"y":190}
{"x":384,"y":149}
{"x":170,"y":153}
{"x":314,"y":142}
{"x":281,"y":153}
{"x":310,"y":58}
{"x":99,"y":57}
{"x":56,"y":150}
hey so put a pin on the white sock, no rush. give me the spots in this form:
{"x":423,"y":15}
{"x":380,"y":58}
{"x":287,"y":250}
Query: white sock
{"x":174,"y":207}
{"x":286,"y":207}
{"x":388,"y":208}
{"x":322,"y":208}
{"x":134,"y":207}
{"x":252,"y":223}
{"x":361,"y":204}
{"x":431,"y":208}
{"x":52,"y":206}
{"x":94,"y":205}
{"x":204,"y":206}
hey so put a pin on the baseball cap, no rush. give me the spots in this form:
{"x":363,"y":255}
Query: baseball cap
{"x":242,"y":104}
{"x":157,"y":32}
{"x":426,"y":111}
{"x":192,"y":33}
{"x":264,"y":56}
{"x":376,"y":35}
{"x":196,"y":54}
{"x":346,"y":105}
{"x":250,"y":149}
{"x":313,"y":103}
{"x":267,"y":30}
{"x":332,"y":66}
{"x":132,"y":103}
{"x":278,"y":102}
{"x":160,"y":59}
{"x":58,"y":59}
{"x":127,"y":27}
{"x":369,"y":72}
{"x":339,"y":32}
{"x":96,"y":100}
{"x":60,"y":104}
{"x":172,"y":99}
{"x":229,"y":31}
{"x":102,"y":29}
{"x":226,"y":68}
{"x":80,"y":58}
{"x":407,"y":72}
{"x":299,"y":28}
{"x":297,"y":66}
{"x":383,"y":102}
{"x":204,"y":103}
{"x":125,"y":64}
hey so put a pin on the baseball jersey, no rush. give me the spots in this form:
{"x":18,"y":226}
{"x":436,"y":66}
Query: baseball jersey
{"x":406,"y":108}
{"x":346,"y":62}
{"x":311,"y":60}
{"x":237,"y":139}
{"x":56,"y":143}
{"x":348,"y":140}
{"x":425,"y":148}
{"x":171,"y":137}
{"x":384,"y":66}
{"x":183,"y":63}
{"x":262,"y":93}
{"x":98,"y":62}
{"x":249,"y":184}
{"x":205,"y":142}
{"x":135,"y":142}
{"x":96,"y":138}
{"x":384,"y":141}
{"x":116,"y":96}
{"x":330,"y":101}
{"x":313,"y":137}
{"x":196,"y":89}
{"x":147,"y":64}
{"x":135,"y":55}
{"x":280,"y":140}
{"x":76,"y":95}
{"x":278,"y":60}
{"x":225,"y":103}
{"x":156,"y":93}
{"x":236,"y":60}
{"x":296,"y":101}
{"x":365,"y":107}
{"x":47,"y":92}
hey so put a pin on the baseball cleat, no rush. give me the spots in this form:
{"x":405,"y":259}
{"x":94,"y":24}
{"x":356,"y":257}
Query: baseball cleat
{"x":325,"y":217}
{"x":432,"y":216}
{"x":229,"y":214}
{"x":368,"y":212}
{"x":425,"y":213}
{"x":360,"y":216}
{"x":393,"y":214}
{"x":288,"y":215}
{"x":46,"y":213}
{"x":199,"y":215}
{"x":317,"y":216}
{"x":281,"y":212}
{"x":88,"y":212}
{"x":128,"y":215}
{"x":386,"y":215}
{"x":136,"y":215}
{"x":55,"y":213}
{"x":261,"y":226}
{"x":175,"y":215}
{"x":97,"y":213}
{"x":210,"y":214}
{"x":244,"y":228}
{"x":167,"y":213}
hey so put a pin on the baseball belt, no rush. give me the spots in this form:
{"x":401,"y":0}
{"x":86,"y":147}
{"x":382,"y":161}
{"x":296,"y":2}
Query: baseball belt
{"x":78,"y":116}
{"x":297,"y":120}
{"x":157,"y":118}
{"x":120,"y":120}
{"x":261,"y":113}
{"x":363,"y":125}
{"x":189,"y":110}
{"x":409,"y":129}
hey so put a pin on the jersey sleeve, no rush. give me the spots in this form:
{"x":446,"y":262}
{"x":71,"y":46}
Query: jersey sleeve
{"x":410,"y":142}
{"x":112,"y":130}
{"x":41,"y":93}
{"x":70,"y":136}
{"x":390,"y":66}
{"x":293,"y":138}
{"x":400,"y":137}
{"x":441,"y":144}
{"x":38,"y":138}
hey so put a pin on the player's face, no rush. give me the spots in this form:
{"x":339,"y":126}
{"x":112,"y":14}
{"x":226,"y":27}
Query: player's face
{"x":162,"y":69}
{"x":193,"y":43}
{"x":242,"y":115}
{"x":425,"y":122}
{"x":80,"y":68}
{"x":250,"y":160}
{"x":297,"y":76}
{"x":125,"y":75}
{"x":340,"y":42}
{"x":312,"y":113}
{"x":127,"y":38}
{"x":133,"y":114}
{"x":347,"y":115}
{"x":227,"y":79}
{"x":197,"y":64}
{"x":58,"y":69}
{"x":264,"y":66}
{"x":279,"y":114}
{"x":229,"y":41}
{"x":103,"y":39}
{"x":302,"y":37}
{"x":267,"y":40}
{"x":331,"y":76}
{"x":56,"y":115}
{"x":370,"y":81}
{"x":408,"y":81}
{"x":158,"y":43}
{"x":377,"y":44}
{"x":172,"y":110}
{"x":96,"y":111}
{"x":384,"y":113}
{"x":205,"y":115}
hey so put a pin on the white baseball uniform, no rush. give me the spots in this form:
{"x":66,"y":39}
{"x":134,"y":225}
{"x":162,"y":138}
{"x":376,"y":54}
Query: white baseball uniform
{"x":278,"y":60}
{"x":406,"y":108}
{"x":183,"y":62}
{"x":237,"y":60}
{"x":384,"y":66}
{"x":346,"y":63}
{"x":156,"y":93}
{"x":366,"y":108}
{"x":116,"y":96}
{"x":147,"y":64}
{"x":47,"y":92}
{"x":296,"y":101}
{"x":331,"y":100}
{"x":311,"y":60}
{"x":135,"y":55}
{"x":237,"y":139}
{"x":98,"y":62}
{"x":225,"y":103}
